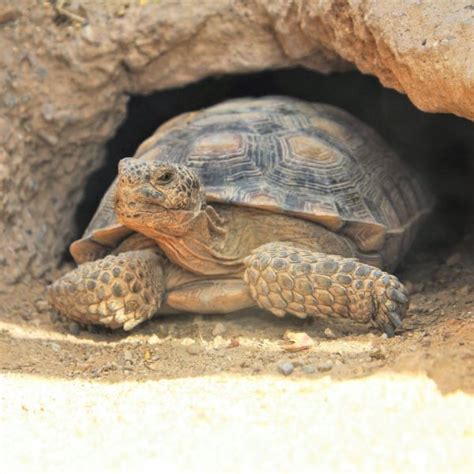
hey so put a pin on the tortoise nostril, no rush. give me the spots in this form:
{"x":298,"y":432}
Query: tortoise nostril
{"x":152,"y":193}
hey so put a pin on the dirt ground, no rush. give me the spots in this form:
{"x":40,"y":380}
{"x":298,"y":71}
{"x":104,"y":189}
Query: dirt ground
{"x":198,"y":393}
{"x":437,"y":339}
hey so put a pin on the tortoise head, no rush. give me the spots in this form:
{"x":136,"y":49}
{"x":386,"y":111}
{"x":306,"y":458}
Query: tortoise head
{"x":154,"y":195}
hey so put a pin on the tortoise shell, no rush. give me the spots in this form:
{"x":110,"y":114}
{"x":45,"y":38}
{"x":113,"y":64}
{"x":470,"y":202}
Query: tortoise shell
{"x":285,"y":155}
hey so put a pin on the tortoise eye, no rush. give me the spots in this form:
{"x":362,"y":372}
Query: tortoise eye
{"x":165,"y":178}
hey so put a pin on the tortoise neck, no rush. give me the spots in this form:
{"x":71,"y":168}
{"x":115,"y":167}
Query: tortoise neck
{"x":200,"y":246}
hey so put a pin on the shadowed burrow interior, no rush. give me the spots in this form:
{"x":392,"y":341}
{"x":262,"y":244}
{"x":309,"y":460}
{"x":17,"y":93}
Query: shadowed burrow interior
{"x":440,"y":147}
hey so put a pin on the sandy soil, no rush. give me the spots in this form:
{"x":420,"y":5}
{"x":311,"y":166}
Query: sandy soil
{"x":383,"y":423}
{"x":437,"y":338}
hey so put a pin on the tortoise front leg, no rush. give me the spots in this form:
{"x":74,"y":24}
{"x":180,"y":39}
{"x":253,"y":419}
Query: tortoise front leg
{"x":286,"y":279}
{"x":116,"y":291}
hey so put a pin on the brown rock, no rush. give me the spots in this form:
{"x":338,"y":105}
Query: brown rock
{"x":454,"y":259}
{"x":465,"y":290}
{"x":219,"y":329}
{"x":8,"y":13}
{"x":298,"y":341}
{"x":329,"y":333}
{"x":194,"y":349}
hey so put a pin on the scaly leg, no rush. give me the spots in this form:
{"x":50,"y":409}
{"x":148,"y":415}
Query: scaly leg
{"x":116,"y":291}
{"x":286,"y":279}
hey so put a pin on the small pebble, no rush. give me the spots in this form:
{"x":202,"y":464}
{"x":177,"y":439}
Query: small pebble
{"x":286,"y":368}
{"x":417,"y":308}
{"x":329,"y":333}
{"x":309,"y":369}
{"x":219,"y":329}
{"x":234,"y":342}
{"x":465,"y":290}
{"x":325,"y":365}
{"x":378,"y":354}
{"x":454,"y":259}
{"x":88,"y":34}
{"x":41,"y":305}
{"x":127,"y":355}
{"x":194,"y":349}
{"x":55,"y":347}
{"x":418,"y":287}
{"x":298,"y":341}
{"x":54,"y":317}
{"x":74,"y":329}
{"x":155,"y":365}
{"x":154,"y":339}
{"x":8,"y":13}
{"x":120,"y":12}
{"x":219,"y":342}
{"x":187,"y":341}
{"x":414,"y":288}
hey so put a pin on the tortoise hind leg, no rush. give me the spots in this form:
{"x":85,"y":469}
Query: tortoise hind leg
{"x":286,"y":279}
{"x":116,"y":291}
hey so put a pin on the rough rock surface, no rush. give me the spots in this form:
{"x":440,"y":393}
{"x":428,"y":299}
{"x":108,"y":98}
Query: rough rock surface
{"x":65,"y":84}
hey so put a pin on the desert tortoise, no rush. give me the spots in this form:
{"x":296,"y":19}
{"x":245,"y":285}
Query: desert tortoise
{"x":276,"y":202}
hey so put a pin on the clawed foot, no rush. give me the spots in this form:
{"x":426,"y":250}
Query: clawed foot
{"x":391,"y":299}
{"x":286,"y":279}
{"x":116,"y":291}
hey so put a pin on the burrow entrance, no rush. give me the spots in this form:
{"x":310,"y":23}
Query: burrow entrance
{"x":439,"y":147}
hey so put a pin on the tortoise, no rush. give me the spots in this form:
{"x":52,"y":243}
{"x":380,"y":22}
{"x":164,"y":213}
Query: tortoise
{"x":274,"y":202}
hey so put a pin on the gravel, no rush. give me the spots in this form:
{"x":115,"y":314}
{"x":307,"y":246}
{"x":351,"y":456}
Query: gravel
{"x":219,"y":329}
{"x":286,"y":368}
{"x":454,"y":259}
{"x":329,"y":333}
{"x":127,"y":355}
{"x":309,"y":369}
{"x":194,"y":349}
{"x":42,"y":305}
{"x":325,"y":365}
{"x":56,"y":347}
